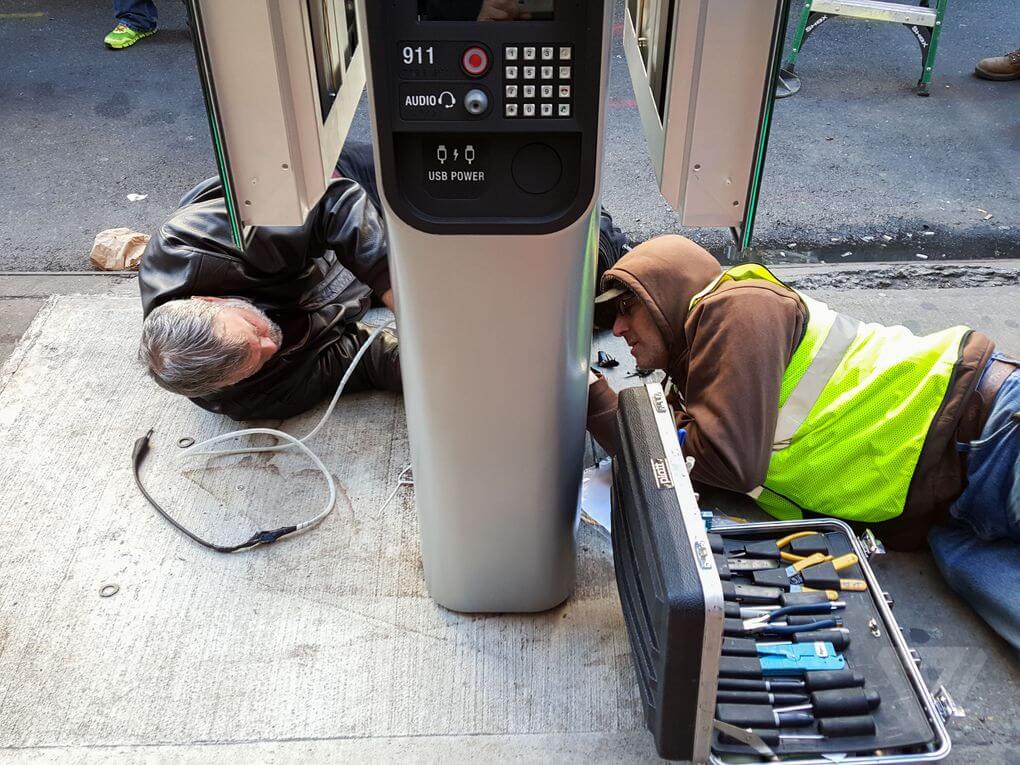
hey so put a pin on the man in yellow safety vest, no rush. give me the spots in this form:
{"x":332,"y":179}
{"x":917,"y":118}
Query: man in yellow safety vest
{"x":813,"y":412}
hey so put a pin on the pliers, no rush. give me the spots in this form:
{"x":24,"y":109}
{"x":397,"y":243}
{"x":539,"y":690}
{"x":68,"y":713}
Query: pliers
{"x":774,"y":549}
{"x":764,"y":623}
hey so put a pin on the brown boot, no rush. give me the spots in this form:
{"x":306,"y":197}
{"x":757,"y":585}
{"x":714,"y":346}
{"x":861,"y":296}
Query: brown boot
{"x":1000,"y":67}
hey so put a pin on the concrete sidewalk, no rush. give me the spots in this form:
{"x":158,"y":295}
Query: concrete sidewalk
{"x":326,"y":646}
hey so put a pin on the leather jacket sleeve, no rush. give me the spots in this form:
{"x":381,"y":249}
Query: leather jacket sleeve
{"x":193,"y":252}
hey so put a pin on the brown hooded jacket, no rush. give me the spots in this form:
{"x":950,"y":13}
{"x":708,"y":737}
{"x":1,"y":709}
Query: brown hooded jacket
{"x":727,"y":358}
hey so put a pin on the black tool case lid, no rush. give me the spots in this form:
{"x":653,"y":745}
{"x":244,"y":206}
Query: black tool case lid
{"x":671,"y":593}
{"x":673,"y":604}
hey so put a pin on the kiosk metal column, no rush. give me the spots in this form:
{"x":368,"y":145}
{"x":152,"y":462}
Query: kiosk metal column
{"x":488,"y":140}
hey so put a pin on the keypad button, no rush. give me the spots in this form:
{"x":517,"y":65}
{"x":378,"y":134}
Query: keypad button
{"x":529,"y":110}
{"x":547,"y":91}
{"x":566,"y":52}
{"x":511,"y":110}
{"x":511,"y":72}
{"x":564,"y":72}
{"x":529,"y":91}
{"x":548,"y":53}
{"x":529,"y":73}
{"x":511,"y":53}
{"x":564,"y":91}
{"x":547,"y":110}
{"x":564,"y":110}
{"x":529,"y":53}
{"x":511,"y":91}
{"x":547,"y":72}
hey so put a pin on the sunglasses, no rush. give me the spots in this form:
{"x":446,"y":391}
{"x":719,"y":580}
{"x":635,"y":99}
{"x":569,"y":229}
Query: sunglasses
{"x":625,"y":305}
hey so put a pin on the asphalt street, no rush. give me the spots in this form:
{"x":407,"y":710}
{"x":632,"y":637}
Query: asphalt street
{"x":855,"y":157}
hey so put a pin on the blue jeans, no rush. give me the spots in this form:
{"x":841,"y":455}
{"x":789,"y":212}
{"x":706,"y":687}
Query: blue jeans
{"x":979,"y":551}
{"x":140,"y":15}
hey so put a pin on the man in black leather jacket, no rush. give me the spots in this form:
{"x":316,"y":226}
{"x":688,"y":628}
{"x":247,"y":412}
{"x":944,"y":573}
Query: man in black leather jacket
{"x":269,"y":332}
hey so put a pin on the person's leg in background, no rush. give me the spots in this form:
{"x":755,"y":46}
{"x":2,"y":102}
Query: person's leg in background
{"x":979,"y":551}
{"x":136,"y":19}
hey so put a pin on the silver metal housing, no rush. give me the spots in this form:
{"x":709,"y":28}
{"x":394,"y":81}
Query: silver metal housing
{"x":701,"y":130}
{"x":281,"y":169}
{"x":495,"y":335}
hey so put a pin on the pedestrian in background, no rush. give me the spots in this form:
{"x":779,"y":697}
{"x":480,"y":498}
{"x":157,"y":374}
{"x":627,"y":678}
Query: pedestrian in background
{"x":136,"y":19}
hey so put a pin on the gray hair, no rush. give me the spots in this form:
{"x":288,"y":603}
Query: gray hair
{"x":183,"y":350}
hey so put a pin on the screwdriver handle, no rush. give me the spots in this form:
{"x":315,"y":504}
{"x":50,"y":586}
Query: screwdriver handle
{"x":757,"y":716}
{"x":841,"y":702}
{"x":760,"y":697}
{"x":825,"y":680}
{"x":839,"y":638}
{"x":863,"y":725}
{"x":781,"y":684}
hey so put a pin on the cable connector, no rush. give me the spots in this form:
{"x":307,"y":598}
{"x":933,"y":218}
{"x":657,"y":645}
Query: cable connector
{"x":268,"y":537}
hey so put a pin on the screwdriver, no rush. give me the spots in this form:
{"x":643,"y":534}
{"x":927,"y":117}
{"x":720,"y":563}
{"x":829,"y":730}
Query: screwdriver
{"x":811,"y":681}
{"x":836,"y":703}
{"x":760,"y":697}
{"x":833,"y":727}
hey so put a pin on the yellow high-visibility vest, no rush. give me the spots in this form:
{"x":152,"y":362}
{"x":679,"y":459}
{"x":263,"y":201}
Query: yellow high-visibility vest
{"x":855,"y":406}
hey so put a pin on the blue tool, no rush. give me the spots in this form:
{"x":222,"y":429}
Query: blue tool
{"x":783,"y":662}
{"x":797,"y":658}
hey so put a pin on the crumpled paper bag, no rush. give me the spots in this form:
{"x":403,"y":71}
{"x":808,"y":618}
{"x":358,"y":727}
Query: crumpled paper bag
{"x":118,"y":249}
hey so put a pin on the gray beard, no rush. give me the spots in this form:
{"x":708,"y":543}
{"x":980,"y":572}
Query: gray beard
{"x":275,"y":333}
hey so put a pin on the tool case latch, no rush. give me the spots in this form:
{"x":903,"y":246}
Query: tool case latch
{"x":872,"y":545}
{"x":946,"y":706}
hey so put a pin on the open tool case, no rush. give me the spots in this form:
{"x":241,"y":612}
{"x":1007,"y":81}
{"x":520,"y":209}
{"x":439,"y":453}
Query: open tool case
{"x":672,"y":577}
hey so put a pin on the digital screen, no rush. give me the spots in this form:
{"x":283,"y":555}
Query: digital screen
{"x":486,"y":10}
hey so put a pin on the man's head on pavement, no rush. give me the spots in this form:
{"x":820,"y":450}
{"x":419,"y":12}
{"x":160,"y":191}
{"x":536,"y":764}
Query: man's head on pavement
{"x":646,"y":297}
{"x":198,"y":346}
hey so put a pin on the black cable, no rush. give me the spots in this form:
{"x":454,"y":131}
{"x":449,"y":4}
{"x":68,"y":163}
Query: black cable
{"x":138,"y":454}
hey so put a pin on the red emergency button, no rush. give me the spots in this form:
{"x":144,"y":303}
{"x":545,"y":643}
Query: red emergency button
{"x":475,"y":61}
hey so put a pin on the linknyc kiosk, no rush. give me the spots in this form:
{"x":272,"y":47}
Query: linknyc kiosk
{"x":488,"y":122}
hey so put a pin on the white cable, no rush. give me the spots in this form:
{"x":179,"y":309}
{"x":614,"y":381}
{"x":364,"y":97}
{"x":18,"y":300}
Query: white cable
{"x":292,"y":441}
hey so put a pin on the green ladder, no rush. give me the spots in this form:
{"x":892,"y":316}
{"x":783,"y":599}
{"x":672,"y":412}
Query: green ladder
{"x":923,"y":21}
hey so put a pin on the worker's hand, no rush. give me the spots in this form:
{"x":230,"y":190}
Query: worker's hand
{"x":502,"y":10}
{"x":388,"y":301}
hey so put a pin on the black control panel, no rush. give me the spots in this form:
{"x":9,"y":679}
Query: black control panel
{"x":490,"y":127}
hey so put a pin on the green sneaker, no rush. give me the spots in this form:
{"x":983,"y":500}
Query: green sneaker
{"x":124,"y":36}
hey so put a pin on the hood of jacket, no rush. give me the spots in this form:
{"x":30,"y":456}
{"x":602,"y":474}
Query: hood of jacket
{"x":665,"y":273}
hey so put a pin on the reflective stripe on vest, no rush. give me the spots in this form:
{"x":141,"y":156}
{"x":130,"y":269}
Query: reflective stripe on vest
{"x":798,"y":405}
{"x":856,"y":403}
